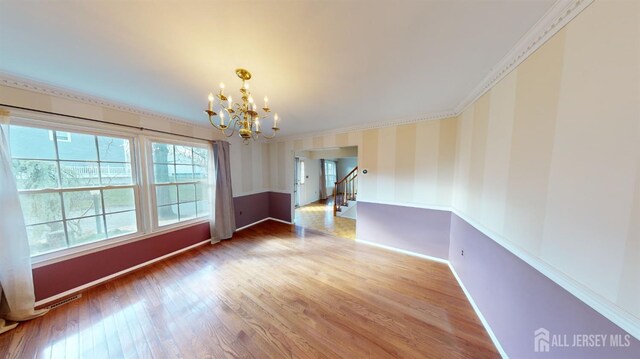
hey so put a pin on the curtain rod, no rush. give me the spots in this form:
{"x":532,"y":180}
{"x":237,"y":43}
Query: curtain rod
{"x":102,"y":121}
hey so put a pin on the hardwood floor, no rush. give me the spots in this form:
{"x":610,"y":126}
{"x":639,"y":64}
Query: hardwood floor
{"x":319,"y":216}
{"x":274,"y":291}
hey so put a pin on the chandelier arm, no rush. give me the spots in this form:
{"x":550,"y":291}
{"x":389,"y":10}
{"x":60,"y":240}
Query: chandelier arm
{"x":275,"y":131}
{"x":215,"y":126}
{"x":232,"y":127}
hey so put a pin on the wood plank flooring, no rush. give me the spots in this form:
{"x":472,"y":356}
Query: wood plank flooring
{"x":274,"y":291}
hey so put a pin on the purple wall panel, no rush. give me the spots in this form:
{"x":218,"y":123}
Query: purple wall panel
{"x":516,"y":300}
{"x":280,"y":206}
{"x":59,"y":277}
{"x":419,"y":230}
{"x":251,"y":208}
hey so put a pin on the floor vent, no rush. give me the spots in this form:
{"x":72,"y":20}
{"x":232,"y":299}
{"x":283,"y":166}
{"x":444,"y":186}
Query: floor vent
{"x":65,"y":301}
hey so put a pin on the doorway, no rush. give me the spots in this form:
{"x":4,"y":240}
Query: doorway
{"x":325,"y":190}
{"x":298,"y":175}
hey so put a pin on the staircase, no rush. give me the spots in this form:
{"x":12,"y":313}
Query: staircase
{"x":345,"y":191}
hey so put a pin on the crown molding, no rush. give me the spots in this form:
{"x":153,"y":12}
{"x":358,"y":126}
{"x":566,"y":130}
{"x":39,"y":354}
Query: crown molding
{"x":559,"y":15}
{"x":10,"y":80}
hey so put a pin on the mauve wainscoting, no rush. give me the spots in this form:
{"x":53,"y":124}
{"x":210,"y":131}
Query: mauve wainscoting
{"x":251,"y":208}
{"x":280,"y":206}
{"x":516,"y":300}
{"x":418,"y":230}
{"x":255,"y":207}
{"x":62,"y":276}
{"x":56,"y":278}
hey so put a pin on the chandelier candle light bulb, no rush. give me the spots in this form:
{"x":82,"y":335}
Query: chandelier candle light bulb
{"x":243,"y":116}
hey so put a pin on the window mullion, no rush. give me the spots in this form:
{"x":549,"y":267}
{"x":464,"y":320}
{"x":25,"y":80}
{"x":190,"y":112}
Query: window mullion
{"x":64,"y":219}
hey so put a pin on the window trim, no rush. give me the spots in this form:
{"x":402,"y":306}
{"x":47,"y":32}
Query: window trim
{"x":153,"y":203}
{"x":139,"y":154}
{"x":135,"y":174}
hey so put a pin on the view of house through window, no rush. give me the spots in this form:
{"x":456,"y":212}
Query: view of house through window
{"x":180,"y":176}
{"x":74,"y":188}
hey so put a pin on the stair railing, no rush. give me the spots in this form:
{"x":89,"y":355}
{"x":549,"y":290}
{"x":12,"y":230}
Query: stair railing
{"x":345,"y":190}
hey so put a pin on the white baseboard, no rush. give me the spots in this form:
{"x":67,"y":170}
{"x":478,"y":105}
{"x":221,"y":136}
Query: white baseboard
{"x":486,"y":325}
{"x":423,"y":256}
{"x":260,"y":221}
{"x":114,"y":275}
{"x":484,"y":322}
{"x":251,"y":224}
{"x":279,"y":220}
{"x":625,"y":320}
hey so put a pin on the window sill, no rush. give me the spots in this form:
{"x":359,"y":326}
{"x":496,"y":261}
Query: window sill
{"x":66,"y":254}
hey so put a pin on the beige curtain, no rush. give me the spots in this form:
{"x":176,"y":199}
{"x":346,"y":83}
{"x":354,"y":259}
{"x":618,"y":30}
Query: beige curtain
{"x":17,"y":298}
{"x":223,"y":220}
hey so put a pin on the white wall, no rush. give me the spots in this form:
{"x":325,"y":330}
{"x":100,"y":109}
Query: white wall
{"x":310,"y":190}
{"x":345,"y":165}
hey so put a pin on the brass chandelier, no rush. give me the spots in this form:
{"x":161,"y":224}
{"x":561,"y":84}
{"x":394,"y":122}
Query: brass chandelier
{"x":244,"y":116}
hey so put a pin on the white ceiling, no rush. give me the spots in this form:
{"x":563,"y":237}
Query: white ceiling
{"x":324,"y":65}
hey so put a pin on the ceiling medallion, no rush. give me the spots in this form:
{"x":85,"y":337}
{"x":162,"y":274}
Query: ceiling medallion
{"x":244,"y":116}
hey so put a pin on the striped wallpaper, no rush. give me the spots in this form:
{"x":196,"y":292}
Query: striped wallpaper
{"x":250,"y":166}
{"x":548,"y":159}
{"x":411,"y":164}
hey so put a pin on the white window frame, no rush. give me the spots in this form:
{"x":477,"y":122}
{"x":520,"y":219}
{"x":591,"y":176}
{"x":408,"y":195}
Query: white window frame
{"x":153,"y":207}
{"x":135,"y":174}
{"x":141,"y":159}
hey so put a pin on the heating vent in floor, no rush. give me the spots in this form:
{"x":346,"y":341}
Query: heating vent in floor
{"x":65,"y":301}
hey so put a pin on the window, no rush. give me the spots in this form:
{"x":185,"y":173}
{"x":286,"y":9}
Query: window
{"x":302,"y":175}
{"x":74,"y":188}
{"x":330,"y":173}
{"x":180,"y":182}
{"x":61,"y":136}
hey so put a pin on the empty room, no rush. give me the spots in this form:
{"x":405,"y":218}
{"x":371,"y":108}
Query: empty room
{"x":320,"y":179}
